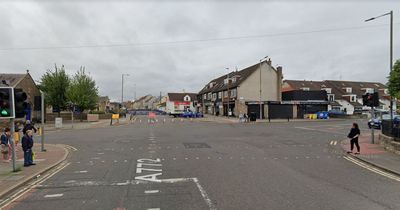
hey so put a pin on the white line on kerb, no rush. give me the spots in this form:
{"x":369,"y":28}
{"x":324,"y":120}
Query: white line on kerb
{"x":151,"y":191}
{"x":153,"y":209}
{"x":53,"y":195}
{"x":373,"y":169}
{"x":80,"y":172}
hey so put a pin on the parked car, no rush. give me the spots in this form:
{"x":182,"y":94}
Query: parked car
{"x":323,"y":115}
{"x":190,"y":114}
{"x":377,"y":122}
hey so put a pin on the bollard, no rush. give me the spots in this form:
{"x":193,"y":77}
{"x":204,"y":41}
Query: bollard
{"x":140,"y":121}
{"x":181,"y":120}
{"x":164,"y":120}
{"x":172,"y":120}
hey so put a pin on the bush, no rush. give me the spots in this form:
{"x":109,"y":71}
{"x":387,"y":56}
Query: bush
{"x":96,"y":112}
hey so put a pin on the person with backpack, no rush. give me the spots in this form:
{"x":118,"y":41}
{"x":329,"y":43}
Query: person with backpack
{"x":5,"y":144}
{"x":27,"y":144}
{"x":353,"y":136}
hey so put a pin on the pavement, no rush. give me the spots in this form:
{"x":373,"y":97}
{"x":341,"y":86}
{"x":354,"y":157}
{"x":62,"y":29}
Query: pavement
{"x":10,"y":181}
{"x":224,"y":119}
{"x":375,"y":154}
{"x":209,"y":165}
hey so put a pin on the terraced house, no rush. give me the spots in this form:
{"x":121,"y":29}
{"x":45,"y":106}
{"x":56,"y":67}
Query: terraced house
{"x":240,"y":92}
{"x":344,"y":96}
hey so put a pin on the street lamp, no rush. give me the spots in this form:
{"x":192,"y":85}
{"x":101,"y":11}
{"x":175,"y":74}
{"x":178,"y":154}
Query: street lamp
{"x":227,"y":78}
{"x":261,"y":114}
{"x":391,"y":52}
{"x":122,"y":89}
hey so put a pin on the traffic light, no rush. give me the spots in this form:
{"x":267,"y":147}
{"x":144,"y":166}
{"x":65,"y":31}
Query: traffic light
{"x":20,"y":103}
{"x":371,"y":99}
{"x":6,"y":102}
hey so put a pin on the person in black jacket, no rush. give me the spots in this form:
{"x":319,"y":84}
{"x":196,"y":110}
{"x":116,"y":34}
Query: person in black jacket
{"x":353,"y":136}
{"x":28,"y":126}
{"x":27,"y":144}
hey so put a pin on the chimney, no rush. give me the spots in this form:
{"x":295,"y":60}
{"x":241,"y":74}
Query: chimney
{"x":280,"y":82}
{"x":27,"y":71}
{"x":269,"y":61}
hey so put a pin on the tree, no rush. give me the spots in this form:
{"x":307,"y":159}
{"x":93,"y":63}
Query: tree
{"x":54,"y":84}
{"x":83,"y":91}
{"x":394,"y":80}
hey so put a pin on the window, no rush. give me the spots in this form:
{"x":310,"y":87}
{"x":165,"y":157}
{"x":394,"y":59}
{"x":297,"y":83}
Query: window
{"x":225,"y":94}
{"x":219,"y":95}
{"x":233,"y":93}
{"x":348,"y":90}
{"x":233,"y":79}
{"x":305,"y":88}
{"x":386,"y":91}
{"x":209,"y":96}
{"x":205,"y":96}
{"x":225,"y":81}
{"x":328,"y":90}
{"x":331,"y":97}
{"x":353,"y":98}
{"x":214,"y":96}
{"x":186,"y":98}
{"x":369,"y":90}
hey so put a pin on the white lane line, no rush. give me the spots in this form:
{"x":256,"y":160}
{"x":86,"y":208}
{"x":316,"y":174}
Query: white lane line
{"x":80,"y":172}
{"x":100,"y":153}
{"x":151,"y":191}
{"x":153,"y":209}
{"x":373,"y":169}
{"x":334,"y":143}
{"x":331,"y":143}
{"x":54,"y":195}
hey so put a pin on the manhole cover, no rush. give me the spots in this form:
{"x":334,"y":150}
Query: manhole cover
{"x":196,"y":145}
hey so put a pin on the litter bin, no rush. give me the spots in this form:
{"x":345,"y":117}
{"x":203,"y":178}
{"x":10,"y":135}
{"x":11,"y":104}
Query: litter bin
{"x":253,"y":116}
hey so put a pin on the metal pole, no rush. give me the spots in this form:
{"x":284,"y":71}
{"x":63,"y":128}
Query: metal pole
{"x":372,"y":128}
{"x":13,"y":145}
{"x":229,"y":101}
{"x":260,"y":94}
{"x":391,"y":64}
{"x":42,"y":121}
{"x":72,"y":115}
{"x":122,"y":90}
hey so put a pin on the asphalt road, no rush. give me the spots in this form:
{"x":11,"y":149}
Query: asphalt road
{"x":204,"y":165}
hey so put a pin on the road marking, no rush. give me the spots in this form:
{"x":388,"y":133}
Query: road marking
{"x":95,"y":158}
{"x":33,"y":185}
{"x":153,"y":209}
{"x":100,"y":153}
{"x":371,"y":168}
{"x":80,"y":172}
{"x":334,"y":143}
{"x":151,"y":191}
{"x":54,"y":195}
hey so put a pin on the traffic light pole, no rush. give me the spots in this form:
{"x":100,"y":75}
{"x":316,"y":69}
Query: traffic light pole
{"x":13,"y":154}
{"x":372,"y":127}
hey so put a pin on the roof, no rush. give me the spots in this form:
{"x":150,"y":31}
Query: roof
{"x":219,"y":85}
{"x":103,"y":98}
{"x":338,"y":87}
{"x":12,"y":79}
{"x":355,"y":104}
{"x":334,"y":103}
{"x":181,"y":96}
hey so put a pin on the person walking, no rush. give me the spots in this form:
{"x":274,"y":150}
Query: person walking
{"x":5,"y":144}
{"x":27,"y":144}
{"x":353,"y":136}
{"x":28,"y":126}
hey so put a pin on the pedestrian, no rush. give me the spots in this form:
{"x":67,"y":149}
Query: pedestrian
{"x":353,"y":136}
{"x":27,"y":144}
{"x":5,"y":144}
{"x":28,"y":126}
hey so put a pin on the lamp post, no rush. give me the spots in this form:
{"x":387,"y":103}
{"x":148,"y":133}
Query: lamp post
{"x":391,"y":53}
{"x":227,"y":78}
{"x":259,"y":102}
{"x":122,"y":89}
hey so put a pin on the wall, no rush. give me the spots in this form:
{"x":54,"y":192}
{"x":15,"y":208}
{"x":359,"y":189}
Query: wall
{"x":347,"y":105}
{"x":271,"y":83}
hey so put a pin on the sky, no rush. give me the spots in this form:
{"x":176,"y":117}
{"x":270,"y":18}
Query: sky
{"x":174,"y":46}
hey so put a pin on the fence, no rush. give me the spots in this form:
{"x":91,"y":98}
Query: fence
{"x":390,"y":129}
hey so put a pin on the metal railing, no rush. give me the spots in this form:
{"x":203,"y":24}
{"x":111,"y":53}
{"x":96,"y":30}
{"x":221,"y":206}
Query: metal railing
{"x":391,"y":129}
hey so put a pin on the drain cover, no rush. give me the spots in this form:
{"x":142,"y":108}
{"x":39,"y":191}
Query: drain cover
{"x":196,"y":145}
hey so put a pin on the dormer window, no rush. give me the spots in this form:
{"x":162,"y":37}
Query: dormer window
{"x":305,"y":88}
{"x":353,"y":98}
{"x":233,"y":79}
{"x":386,"y":91}
{"x":369,"y":90}
{"x":328,"y":90}
{"x":186,"y":98}
{"x":349,"y":90}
